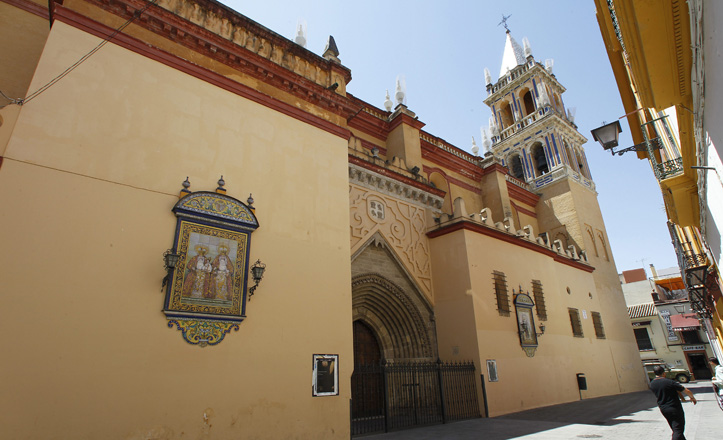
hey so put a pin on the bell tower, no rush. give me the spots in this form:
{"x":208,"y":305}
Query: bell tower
{"x":535,"y":137}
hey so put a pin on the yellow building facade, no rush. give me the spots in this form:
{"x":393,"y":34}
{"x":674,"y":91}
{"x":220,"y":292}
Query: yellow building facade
{"x":664,"y":58}
{"x":384,"y":245}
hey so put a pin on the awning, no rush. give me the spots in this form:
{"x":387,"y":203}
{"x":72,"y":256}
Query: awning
{"x":671,"y":284}
{"x":685,"y":321}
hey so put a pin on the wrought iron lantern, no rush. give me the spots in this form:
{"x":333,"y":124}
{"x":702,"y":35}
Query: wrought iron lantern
{"x":170,"y":260}
{"x":257,"y":273}
{"x":696,"y":275}
{"x":608,"y":135}
{"x":524,"y":328}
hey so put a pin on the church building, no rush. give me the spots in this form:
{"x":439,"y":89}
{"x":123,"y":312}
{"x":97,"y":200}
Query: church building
{"x":207,"y":235}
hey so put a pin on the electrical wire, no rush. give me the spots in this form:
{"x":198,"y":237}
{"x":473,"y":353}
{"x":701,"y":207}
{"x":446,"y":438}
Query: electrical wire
{"x":52,"y":82}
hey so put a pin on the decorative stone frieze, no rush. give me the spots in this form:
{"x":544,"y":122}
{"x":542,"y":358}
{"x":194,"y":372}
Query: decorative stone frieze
{"x":394,"y":188}
{"x":396,"y":212}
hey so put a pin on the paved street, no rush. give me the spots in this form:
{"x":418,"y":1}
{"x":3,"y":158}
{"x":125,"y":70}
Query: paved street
{"x":629,"y":416}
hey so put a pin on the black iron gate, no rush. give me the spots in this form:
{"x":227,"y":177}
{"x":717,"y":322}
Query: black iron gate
{"x":393,"y":395}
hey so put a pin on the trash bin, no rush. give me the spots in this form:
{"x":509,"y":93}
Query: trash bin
{"x":581,"y":381}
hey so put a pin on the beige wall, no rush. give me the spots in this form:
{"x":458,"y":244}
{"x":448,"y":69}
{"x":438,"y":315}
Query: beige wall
{"x":18,"y":60}
{"x":463,"y":263}
{"x":87,"y":185}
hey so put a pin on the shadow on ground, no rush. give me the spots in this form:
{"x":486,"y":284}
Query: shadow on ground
{"x":601,"y":411}
{"x":609,"y":410}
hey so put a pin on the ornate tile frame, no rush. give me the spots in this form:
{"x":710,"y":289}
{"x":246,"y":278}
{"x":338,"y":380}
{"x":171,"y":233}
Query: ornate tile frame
{"x":528,"y":336}
{"x":206,"y":297}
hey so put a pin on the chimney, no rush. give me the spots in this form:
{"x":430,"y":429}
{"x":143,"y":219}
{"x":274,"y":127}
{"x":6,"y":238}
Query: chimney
{"x":653,"y":271}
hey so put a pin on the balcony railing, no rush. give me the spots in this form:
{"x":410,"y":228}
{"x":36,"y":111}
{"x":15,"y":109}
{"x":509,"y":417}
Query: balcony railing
{"x":558,"y":173}
{"x":669,"y":168}
{"x":666,"y":144}
{"x":511,"y":76}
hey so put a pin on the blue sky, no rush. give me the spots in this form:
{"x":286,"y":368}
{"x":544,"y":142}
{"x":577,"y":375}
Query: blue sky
{"x":442,"y":48}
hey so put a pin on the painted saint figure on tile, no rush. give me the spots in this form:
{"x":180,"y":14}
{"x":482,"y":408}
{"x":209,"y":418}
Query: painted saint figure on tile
{"x":222,"y":275}
{"x":198,"y":274}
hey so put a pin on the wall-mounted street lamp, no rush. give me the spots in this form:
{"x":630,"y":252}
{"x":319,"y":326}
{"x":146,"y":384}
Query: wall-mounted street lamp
{"x":608,"y":136}
{"x":696,"y":275}
{"x":257,"y":273}
{"x":170,"y":260}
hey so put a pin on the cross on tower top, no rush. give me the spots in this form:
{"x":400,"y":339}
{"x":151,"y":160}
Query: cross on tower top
{"x":504,"y":21}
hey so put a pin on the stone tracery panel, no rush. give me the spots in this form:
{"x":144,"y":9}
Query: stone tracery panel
{"x":403,"y":225}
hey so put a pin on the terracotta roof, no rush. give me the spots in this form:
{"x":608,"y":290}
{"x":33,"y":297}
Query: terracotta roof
{"x":642,"y":310}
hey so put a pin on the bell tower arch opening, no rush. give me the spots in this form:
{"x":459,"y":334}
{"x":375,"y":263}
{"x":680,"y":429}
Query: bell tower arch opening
{"x":514,"y":164}
{"x":539,"y":159}
{"x":506,"y":114}
{"x":528,"y":103}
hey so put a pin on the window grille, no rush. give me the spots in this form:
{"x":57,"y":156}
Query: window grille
{"x":597,"y":322}
{"x":575,"y":322}
{"x":539,"y":300}
{"x":643,"y":339}
{"x":503,"y":298}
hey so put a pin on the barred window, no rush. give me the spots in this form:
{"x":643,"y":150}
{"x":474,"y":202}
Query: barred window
{"x":597,"y":322}
{"x":575,"y":322}
{"x":539,"y":300}
{"x":643,"y":339}
{"x":503,"y":298}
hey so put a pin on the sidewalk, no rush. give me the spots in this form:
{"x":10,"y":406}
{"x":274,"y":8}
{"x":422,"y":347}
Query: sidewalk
{"x":632,"y":416}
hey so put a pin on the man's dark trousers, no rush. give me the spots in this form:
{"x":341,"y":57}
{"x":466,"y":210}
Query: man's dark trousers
{"x":676,"y":420}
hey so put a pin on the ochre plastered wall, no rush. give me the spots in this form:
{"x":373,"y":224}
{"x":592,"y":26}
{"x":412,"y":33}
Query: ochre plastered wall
{"x":18,"y":60}
{"x":87,"y":184}
{"x":577,"y":207}
{"x":463,"y":262}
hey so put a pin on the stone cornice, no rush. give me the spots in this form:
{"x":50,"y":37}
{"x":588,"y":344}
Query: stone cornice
{"x":403,"y":118}
{"x":468,"y":225}
{"x":520,"y":79}
{"x":388,"y":182}
{"x":522,"y":195}
{"x":28,"y":6}
{"x":449,"y":157}
{"x":451,"y":180}
{"x":238,"y":42}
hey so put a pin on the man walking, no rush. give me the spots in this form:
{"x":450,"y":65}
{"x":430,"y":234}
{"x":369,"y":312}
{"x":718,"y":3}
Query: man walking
{"x":669,"y":394}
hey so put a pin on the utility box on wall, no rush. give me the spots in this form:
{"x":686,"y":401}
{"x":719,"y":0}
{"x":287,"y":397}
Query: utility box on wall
{"x":581,"y":381}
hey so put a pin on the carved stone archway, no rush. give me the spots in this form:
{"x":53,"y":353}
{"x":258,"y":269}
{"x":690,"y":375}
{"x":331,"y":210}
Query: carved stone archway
{"x":404,"y":331}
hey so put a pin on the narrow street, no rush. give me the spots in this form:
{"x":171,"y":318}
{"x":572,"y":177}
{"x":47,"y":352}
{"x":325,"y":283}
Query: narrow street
{"x":629,"y":416}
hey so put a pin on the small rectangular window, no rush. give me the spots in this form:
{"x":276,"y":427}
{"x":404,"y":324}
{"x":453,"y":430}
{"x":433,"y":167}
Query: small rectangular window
{"x":643,"y":339}
{"x":691,"y":337}
{"x":575,"y":322}
{"x":539,"y":300}
{"x":597,"y":322}
{"x":501,"y":294}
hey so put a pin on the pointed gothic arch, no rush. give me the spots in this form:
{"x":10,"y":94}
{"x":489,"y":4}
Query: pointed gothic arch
{"x":603,"y":245}
{"x":439,"y":180}
{"x":588,"y":229}
{"x":402,"y":329}
{"x":387,"y":300}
